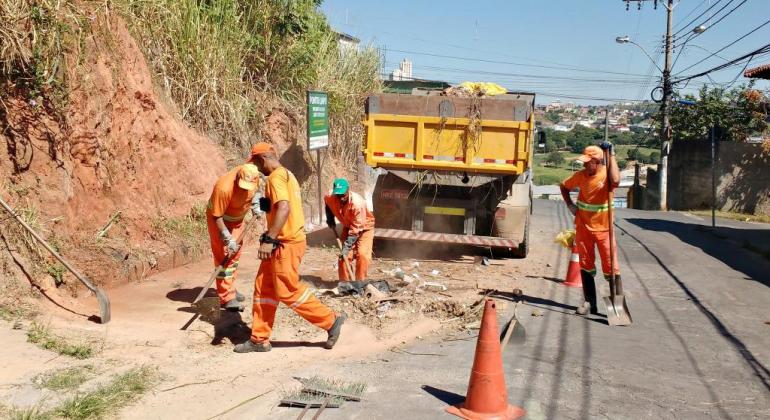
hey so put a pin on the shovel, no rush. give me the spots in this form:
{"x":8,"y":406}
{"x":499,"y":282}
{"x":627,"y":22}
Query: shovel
{"x":513,"y":331}
{"x":349,"y":269}
{"x":617,"y":308}
{"x":101,"y":296}
{"x":208,"y":308}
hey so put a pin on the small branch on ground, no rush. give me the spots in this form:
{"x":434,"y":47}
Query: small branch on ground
{"x":240,"y":404}
{"x":189,"y":384}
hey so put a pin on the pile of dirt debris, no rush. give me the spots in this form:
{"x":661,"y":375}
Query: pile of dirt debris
{"x":115,"y":149}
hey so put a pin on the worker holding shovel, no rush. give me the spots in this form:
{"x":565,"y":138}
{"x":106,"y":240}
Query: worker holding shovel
{"x":357,"y":228}
{"x":281,"y":250}
{"x":234,"y":194}
{"x":592,"y":222}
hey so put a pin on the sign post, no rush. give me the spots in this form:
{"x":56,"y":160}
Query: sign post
{"x":318,"y":134}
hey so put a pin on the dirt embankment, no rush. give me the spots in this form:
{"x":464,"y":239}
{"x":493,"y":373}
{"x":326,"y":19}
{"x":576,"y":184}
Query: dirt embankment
{"x":115,"y":147}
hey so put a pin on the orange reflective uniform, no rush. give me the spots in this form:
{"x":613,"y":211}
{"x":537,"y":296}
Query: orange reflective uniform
{"x":592,"y":219}
{"x":278,"y":277}
{"x":357,"y":220}
{"x":231,"y":204}
{"x":283,"y":186}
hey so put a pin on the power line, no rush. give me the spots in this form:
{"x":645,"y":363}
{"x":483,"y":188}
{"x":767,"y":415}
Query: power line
{"x":758,"y":52}
{"x":711,"y":26}
{"x":727,"y":46}
{"x":691,"y":12}
{"x":480,"y":60}
{"x":700,"y":15}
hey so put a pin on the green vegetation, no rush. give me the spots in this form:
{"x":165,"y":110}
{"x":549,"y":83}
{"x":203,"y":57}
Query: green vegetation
{"x":65,"y":379}
{"x":104,"y":401}
{"x":737,"y":113}
{"x":108,"y":399}
{"x":225,"y":64}
{"x":546,"y":173}
{"x":42,"y":336}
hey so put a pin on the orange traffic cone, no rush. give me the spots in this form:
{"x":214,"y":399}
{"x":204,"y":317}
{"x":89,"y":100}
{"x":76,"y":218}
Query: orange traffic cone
{"x":487,"y":397}
{"x":573,"y":270}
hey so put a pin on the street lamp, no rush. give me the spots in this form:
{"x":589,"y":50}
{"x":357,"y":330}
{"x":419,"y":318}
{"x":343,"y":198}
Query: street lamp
{"x":625,"y":39}
{"x":700,"y":29}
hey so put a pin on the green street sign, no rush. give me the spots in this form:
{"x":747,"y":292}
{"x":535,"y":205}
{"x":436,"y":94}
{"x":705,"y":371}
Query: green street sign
{"x":317,"y":120}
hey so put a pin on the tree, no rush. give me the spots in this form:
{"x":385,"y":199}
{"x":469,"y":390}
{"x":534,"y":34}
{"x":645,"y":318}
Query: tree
{"x":654,"y":157}
{"x":738,"y":112}
{"x":632,"y":153}
{"x":555,"y":158}
{"x":552,"y":116}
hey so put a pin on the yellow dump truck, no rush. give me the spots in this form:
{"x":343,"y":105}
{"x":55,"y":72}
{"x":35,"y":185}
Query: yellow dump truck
{"x":452,"y":169}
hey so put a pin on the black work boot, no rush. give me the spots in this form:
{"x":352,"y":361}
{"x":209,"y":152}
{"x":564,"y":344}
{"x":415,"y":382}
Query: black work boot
{"x":334,"y":331}
{"x":249,"y":346}
{"x":589,"y":294}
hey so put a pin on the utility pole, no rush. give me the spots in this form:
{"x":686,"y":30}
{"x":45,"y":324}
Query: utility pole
{"x":665,"y":109}
{"x":607,"y":123}
{"x":665,"y":128}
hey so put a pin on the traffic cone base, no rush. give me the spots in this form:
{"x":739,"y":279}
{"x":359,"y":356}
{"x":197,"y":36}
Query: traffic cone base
{"x":487,"y":396}
{"x":511,"y":413}
{"x":573,"y":270}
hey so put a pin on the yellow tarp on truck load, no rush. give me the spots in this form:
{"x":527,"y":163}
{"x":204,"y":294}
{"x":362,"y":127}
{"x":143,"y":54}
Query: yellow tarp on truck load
{"x":432,"y":132}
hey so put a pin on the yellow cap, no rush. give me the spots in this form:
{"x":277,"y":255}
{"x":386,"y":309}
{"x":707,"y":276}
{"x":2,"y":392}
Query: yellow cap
{"x":248,"y":177}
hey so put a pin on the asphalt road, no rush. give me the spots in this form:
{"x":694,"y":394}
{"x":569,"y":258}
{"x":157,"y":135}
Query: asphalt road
{"x":699,"y":346}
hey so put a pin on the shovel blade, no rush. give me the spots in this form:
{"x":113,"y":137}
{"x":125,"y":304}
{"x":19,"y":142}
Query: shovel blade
{"x":617,"y":311}
{"x":513,"y":332}
{"x":208,"y":309}
{"x":104,"y":306}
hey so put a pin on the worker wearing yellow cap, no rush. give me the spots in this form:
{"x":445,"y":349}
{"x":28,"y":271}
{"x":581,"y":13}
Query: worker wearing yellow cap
{"x":234,"y":194}
{"x":592,"y":222}
{"x":281,"y":250}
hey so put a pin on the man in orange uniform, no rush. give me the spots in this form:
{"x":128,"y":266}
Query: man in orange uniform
{"x":357,"y":227}
{"x":592,"y":222}
{"x":234,"y":194}
{"x":281,"y":250}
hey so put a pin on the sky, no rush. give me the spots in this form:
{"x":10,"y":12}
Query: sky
{"x":562,"y":50}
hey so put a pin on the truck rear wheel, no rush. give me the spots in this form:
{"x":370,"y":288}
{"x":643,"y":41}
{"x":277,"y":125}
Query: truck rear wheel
{"x":520,"y":252}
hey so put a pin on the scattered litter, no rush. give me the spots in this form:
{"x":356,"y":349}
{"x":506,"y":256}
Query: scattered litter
{"x":480,"y":260}
{"x":537,"y":312}
{"x":415,"y":264}
{"x":435,"y":273}
{"x":408,"y":279}
{"x":371,"y":292}
{"x":566,"y":238}
{"x":473,"y":325}
{"x":484,"y":261}
{"x":548,"y":265}
{"x":433,"y":286}
{"x":356,"y":288}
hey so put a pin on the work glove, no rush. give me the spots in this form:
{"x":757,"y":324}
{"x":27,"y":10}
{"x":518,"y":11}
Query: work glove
{"x":229,"y":241}
{"x":607,"y":147}
{"x":330,"y":219}
{"x":348,"y":245}
{"x":256,"y":210}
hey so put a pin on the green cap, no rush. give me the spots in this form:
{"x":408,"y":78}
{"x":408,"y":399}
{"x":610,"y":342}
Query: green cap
{"x":340,"y":186}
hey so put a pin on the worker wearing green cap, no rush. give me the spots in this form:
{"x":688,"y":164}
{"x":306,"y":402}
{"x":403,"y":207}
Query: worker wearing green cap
{"x":357,"y":227}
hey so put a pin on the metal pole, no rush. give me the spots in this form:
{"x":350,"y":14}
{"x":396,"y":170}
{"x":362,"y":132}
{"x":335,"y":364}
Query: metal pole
{"x":665,"y":129}
{"x":320,"y":195}
{"x":713,"y":178}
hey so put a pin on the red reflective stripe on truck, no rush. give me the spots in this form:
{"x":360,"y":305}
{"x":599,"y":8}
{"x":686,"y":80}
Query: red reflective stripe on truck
{"x":428,"y":157}
{"x":380,"y":154}
{"x":459,"y":158}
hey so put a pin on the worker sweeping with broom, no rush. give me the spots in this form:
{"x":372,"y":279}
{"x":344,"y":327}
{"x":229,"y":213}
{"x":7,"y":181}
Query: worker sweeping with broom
{"x":357,"y":228}
{"x":592,"y":221}
{"x":281,"y":250}
{"x":234,"y":194}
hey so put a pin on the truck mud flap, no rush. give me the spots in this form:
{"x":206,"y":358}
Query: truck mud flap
{"x":489,"y":241}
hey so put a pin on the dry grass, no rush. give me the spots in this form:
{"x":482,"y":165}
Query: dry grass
{"x":42,"y":336}
{"x":65,"y":379}
{"x":743,"y":217}
{"x":110,"y":398}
